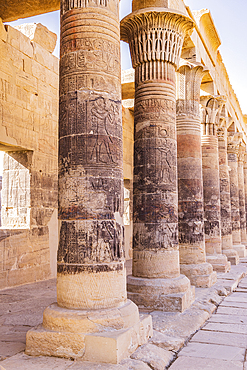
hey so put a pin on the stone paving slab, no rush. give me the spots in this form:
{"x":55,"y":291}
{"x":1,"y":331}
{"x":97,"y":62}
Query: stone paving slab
{"x":231,"y":319}
{"x":226,"y":327}
{"x":8,"y":349}
{"x":227,"y":339}
{"x":237,"y":297}
{"x":23,"y":362}
{"x":216,"y":351}
{"x":232,"y":311}
{"x":194,"y":363}
{"x":234,"y":304}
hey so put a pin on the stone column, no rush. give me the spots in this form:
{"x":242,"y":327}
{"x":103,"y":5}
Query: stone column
{"x":241,"y":190}
{"x":211,"y":107}
{"x":232,"y":151}
{"x":245,"y":186}
{"x":155,"y":36}
{"x":225,"y":199}
{"x":92,"y":320}
{"x":190,"y":185}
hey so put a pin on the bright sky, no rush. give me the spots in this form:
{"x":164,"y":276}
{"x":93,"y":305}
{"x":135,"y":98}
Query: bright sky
{"x":230,"y":20}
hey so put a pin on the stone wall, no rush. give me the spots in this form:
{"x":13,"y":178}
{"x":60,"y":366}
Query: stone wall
{"x":28,"y":134}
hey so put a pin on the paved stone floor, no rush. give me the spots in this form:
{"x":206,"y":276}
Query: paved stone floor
{"x":221,"y":344}
{"x":211,"y":335}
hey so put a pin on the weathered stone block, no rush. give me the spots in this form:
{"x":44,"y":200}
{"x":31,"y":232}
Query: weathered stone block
{"x":39,"y":34}
{"x":89,"y":336}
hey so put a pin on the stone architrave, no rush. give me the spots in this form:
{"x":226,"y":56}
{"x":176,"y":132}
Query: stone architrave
{"x":233,"y":142}
{"x":211,"y":107}
{"x":245,"y":185}
{"x":92,"y":319}
{"x":155,"y":36}
{"x":241,"y":190}
{"x":190,"y":184}
{"x":225,"y":198}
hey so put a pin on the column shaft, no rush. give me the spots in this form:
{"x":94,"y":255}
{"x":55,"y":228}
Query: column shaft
{"x":241,"y":190}
{"x":225,"y":199}
{"x":156,"y":282}
{"x":232,"y":150}
{"x":211,"y":184}
{"x":245,"y":185}
{"x":190,"y":185}
{"x":90,"y":161}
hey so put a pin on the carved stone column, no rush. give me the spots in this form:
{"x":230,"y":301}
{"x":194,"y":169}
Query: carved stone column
{"x":225,"y":198}
{"x":211,"y":107}
{"x":92,"y":320}
{"x":155,"y":36}
{"x":190,"y":184}
{"x":245,"y":185}
{"x":232,"y":151}
{"x":241,"y":155}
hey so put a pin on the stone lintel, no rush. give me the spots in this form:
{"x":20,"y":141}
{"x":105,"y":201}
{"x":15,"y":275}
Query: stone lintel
{"x":13,"y":10}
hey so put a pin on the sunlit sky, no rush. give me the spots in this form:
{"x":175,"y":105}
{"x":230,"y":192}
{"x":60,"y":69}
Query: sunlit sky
{"x":230,"y":20}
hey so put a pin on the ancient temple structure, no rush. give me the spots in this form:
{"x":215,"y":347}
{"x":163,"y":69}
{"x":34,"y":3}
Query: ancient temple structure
{"x":151,"y":169}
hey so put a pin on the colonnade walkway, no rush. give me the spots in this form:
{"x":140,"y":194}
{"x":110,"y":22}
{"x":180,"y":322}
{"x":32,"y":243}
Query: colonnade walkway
{"x":211,"y":335}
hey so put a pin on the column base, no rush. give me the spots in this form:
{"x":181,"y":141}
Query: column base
{"x":170,"y":295}
{"x":105,"y":336}
{"x":201,"y":275}
{"x":232,"y":256}
{"x":219,"y":262}
{"x":240,"y":248}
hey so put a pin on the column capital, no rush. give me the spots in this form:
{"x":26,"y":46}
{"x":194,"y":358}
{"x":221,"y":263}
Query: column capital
{"x":211,"y":106}
{"x":222,"y":124}
{"x":241,"y":152}
{"x":155,"y":35}
{"x":189,"y":77}
{"x":245,"y":160}
{"x":233,"y":142}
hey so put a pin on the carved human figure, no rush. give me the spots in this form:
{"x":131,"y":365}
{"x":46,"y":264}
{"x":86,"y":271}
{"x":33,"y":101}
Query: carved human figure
{"x":155,"y":36}
{"x":190,"y":185}
{"x":210,"y":111}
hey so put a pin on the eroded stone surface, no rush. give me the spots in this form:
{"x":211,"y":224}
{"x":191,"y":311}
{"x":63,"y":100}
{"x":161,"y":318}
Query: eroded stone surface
{"x":157,"y":358}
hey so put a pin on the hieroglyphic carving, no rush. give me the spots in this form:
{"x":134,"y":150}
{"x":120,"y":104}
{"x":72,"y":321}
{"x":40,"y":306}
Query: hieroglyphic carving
{"x":154,"y":109}
{"x":93,"y":128}
{"x":95,"y":242}
{"x":91,"y":44}
{"x":15,"y":212}
{"x":84,"y":60}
